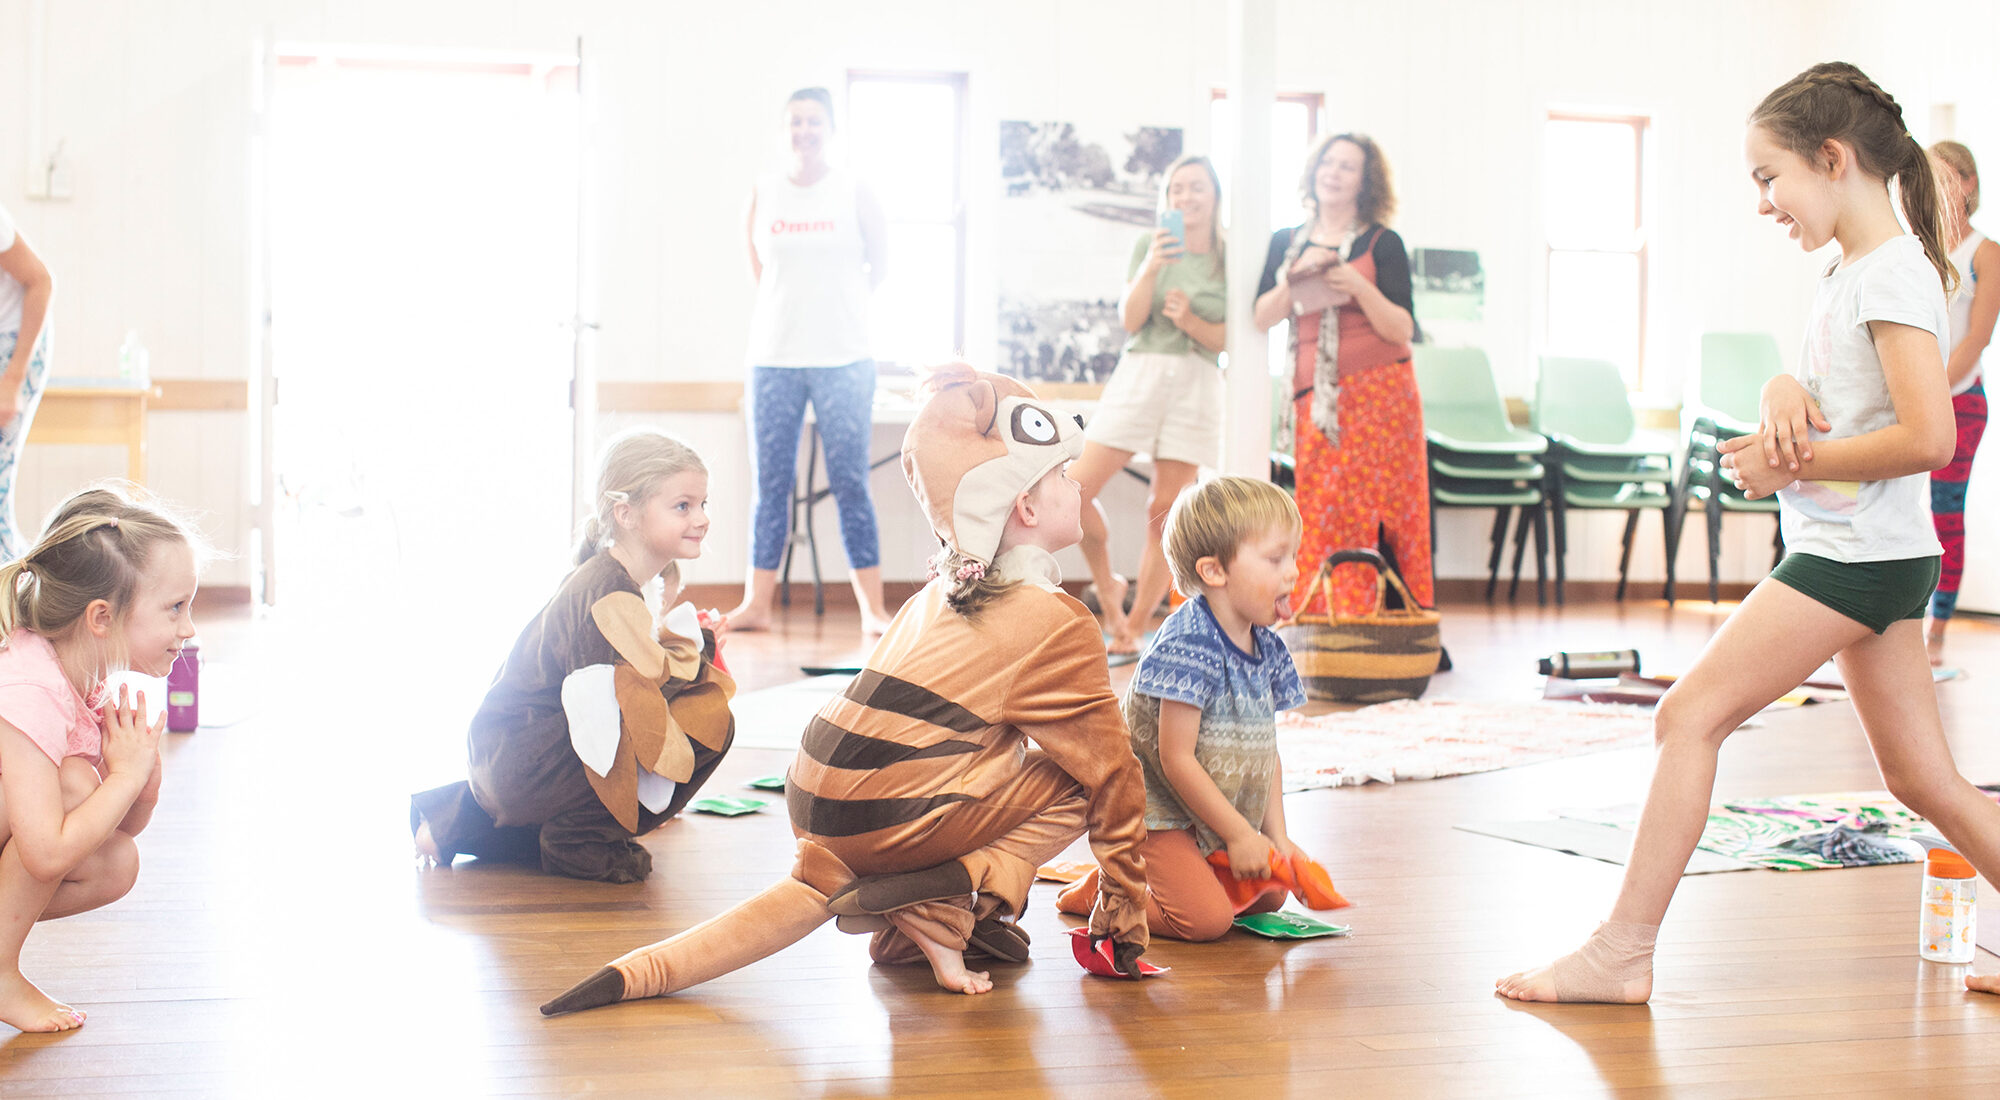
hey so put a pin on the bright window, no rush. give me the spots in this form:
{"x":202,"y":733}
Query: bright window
{"x":1294,"y":121}
{"x":905,"y":135}
{"x":1594,"y":208}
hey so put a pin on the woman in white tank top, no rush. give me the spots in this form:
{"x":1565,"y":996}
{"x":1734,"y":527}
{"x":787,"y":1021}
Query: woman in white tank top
{"x":1973,"y":310}
{"x":816,"y":250}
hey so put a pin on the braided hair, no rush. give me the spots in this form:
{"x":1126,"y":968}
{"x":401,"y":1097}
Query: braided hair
{"x":1834,"y":101}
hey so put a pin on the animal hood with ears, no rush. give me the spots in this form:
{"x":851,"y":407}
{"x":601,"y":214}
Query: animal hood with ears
{"x":979,"y":442}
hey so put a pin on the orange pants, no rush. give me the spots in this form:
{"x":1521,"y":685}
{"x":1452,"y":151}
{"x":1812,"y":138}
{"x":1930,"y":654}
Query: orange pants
{"x":1184,"y":900}
{"x":1376,"y":480}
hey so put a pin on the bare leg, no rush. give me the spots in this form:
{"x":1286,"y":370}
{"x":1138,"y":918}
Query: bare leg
{"x":1169,"y":478}
{"x":948,"y":966}
{"x":875,"y":613}
{"x":1934,"y":641}
{"x":760,"y":591}
{"x":1097,"y":466}
{"x":1741,"y":671}
{"x":1890,"y":682}
{"x":103,"y":876}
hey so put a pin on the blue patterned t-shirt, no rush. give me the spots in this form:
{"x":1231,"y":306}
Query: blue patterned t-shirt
{"x":1240,"y":694}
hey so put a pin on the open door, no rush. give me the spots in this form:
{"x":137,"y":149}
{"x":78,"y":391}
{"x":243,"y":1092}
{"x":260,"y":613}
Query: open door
{"x":582,"y":324}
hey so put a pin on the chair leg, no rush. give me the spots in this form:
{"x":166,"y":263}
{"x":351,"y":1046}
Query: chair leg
{"x":1559,"y":519}
{"x":1676,"y":513}
{"x":1542,"y":554}
{"x":1713,"y":506}
{"x":1625,"y":550}
{"x":1520,"y":548}
{"x":1499,"y":539}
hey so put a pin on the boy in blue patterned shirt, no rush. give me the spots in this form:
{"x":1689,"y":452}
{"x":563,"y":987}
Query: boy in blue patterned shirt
{"x":1203,"y":704}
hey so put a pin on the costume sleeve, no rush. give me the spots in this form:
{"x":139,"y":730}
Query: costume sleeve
{"x":1273,"y":256}
{"x":1061,"y":698}
{"x":34,"y":711}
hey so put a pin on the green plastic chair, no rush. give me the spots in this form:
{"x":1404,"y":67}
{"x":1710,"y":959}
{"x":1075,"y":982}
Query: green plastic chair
{"x":1730,"y":386}
{"x":1598,"y":459}
{"x":1479,"y":459}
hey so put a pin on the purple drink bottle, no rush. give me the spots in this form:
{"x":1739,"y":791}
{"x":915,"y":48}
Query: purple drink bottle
{"x":184,"y":690}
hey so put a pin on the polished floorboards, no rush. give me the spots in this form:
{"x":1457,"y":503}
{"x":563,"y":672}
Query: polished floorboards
{"x":280,"y":941}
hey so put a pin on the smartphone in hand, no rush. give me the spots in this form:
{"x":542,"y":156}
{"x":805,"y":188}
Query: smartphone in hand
{"x":1174,"y":223}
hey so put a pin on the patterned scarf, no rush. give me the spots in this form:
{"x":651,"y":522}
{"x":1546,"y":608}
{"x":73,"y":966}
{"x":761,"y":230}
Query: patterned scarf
{"x":1326,"y":355}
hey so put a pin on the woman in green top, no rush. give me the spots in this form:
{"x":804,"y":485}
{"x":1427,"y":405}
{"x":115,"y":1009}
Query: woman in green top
{"x":1165,"y":398}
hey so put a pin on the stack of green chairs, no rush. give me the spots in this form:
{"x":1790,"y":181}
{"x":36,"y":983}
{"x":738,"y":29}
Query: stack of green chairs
{"x":1734,"y":368}
{"x":1598,"y":461}
{"x":1478,"y":459}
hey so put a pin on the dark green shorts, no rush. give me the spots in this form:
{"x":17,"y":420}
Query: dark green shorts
{"x":1876,"y":594}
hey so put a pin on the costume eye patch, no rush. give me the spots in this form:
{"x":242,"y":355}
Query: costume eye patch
{"x":1033,"y":425}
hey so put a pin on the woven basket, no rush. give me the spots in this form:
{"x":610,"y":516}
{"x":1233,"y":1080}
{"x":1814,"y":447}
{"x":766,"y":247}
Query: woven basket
{"x":1369,"y":658}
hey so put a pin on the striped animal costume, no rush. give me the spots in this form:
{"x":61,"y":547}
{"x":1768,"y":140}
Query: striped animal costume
{"x":968,"y":751}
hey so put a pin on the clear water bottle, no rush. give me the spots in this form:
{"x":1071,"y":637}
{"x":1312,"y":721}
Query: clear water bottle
{"x":1946,"y":929}
{"x":184,"y":690}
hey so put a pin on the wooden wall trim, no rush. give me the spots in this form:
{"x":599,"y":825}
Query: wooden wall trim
{"x":199,"y":395}
{"x":717,"y":396}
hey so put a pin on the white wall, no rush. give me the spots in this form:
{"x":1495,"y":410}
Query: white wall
{"x":154,"y":103}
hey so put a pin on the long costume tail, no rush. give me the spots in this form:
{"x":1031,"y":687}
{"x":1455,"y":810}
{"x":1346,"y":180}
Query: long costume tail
{"x":774,"y":919}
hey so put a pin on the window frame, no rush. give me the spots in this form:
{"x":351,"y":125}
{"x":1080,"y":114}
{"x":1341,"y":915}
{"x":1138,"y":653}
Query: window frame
{"x":1641,"y":126}
{"x":959,"y":83}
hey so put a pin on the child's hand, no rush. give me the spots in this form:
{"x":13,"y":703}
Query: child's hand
{"x":1250,"y":856}
{"x":1785,"y":414}
{"x":130,"y":745}
{"x":1756,"y":479}
{"x":1290,"y":850}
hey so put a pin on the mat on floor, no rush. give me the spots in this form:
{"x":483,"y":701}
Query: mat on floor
{"x":776,"y":717}
{"x":1414,"y":739}
{"x":1590,"y":840}
{"x":1790,"y":833}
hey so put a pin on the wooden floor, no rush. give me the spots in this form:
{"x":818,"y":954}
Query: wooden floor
{"x":281,"y":943}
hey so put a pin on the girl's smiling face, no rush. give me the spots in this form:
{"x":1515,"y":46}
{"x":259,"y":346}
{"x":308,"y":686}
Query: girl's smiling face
{"x":1791,"y":190}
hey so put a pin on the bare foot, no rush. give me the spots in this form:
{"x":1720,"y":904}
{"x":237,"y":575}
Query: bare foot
{"x":1122,"y":643}
{"x":1614,"y":966}
{"x":948,"y":966}
{"x":750,"y":616}
{"x":1111,"y":600}
{"x":1983,"y":983}
{"x":875,"y":626}
{"x":427,"y":849}
{"x":25,"y":1006}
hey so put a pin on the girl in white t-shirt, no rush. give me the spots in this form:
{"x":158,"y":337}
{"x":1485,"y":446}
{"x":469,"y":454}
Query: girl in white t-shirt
{"x":25,"y":291}
{"x":1973,"y":310}
{"x":110,"y":586}
{"x":1846,"y":444}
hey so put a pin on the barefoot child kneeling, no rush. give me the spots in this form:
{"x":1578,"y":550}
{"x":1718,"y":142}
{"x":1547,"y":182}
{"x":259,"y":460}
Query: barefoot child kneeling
{"x":1203,"y":706}
{"x":109,"y":587}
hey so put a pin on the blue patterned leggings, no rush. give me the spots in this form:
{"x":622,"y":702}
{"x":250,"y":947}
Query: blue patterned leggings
{"x":13,"y":543}
{"x":843,"y":401}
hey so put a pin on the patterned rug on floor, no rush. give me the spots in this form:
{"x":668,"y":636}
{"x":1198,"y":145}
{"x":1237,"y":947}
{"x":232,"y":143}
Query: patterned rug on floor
{"x":1803,"y":832}
{"x":1414,"y":739}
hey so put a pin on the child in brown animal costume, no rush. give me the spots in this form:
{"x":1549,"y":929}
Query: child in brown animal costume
{"x":921,"y":778}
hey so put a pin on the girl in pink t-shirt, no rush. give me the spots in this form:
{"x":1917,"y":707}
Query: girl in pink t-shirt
{"x":108,"y":588}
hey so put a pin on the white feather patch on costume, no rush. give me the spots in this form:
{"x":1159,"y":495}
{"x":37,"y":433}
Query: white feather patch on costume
{"x":686,"y":622}
{"x":590,"y":702}
{"x":655,"y":791}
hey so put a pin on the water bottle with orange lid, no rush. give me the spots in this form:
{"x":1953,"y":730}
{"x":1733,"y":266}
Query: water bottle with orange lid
{"x":1946,"y":930}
